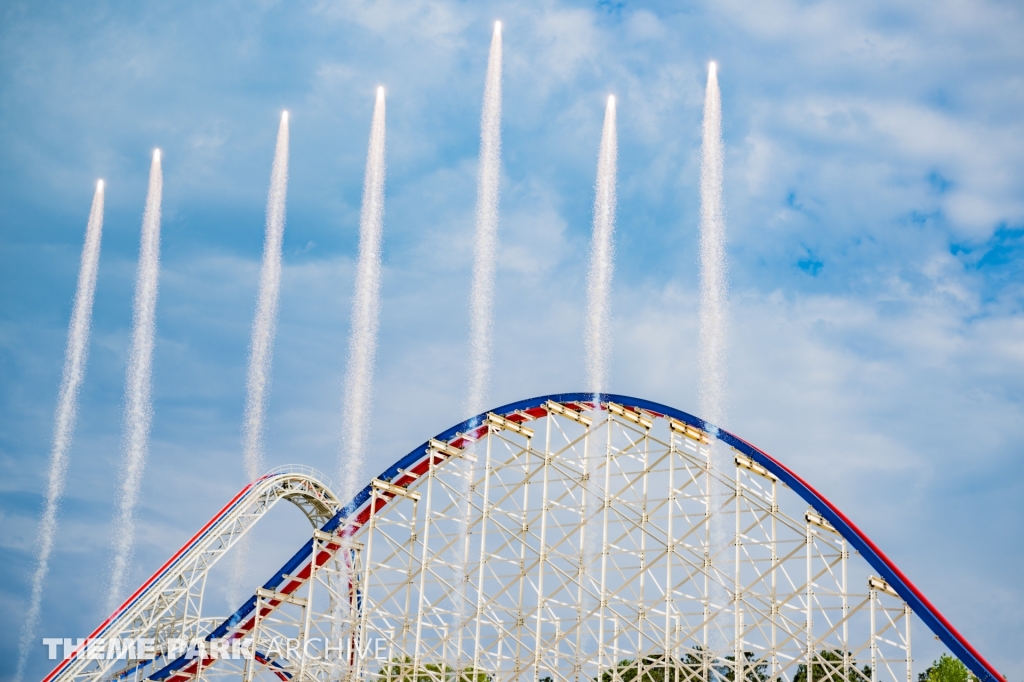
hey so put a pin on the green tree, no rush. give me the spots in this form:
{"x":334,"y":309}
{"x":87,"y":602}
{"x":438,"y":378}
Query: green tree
{"x":754,"y":669}
{"x":650,"y":668}
{"x":947,"y":669}
{"x":404,"y":670}
{"x":690,"y":668}
{"x":828,"y":667}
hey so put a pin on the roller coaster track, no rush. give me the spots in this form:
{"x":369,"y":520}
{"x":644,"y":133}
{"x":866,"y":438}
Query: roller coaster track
{"x":174,"y":593}
{"x":169,"y":604}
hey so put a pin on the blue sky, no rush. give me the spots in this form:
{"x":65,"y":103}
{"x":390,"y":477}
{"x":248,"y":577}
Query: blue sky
{"x":875,"y":196}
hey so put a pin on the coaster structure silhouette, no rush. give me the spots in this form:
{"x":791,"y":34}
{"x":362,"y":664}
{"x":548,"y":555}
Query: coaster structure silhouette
{"x":385,"y":586}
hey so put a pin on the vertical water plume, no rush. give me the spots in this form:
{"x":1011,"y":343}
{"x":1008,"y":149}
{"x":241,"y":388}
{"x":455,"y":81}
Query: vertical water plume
{"x":138,"y":409}
{"x":711,"y":353}
{"x":362,"y":345}
{"x":261,"y":346}
{"x":75,"y":356}
{"x":481,"y":300}
{"x":264,"y":324}
{"x":713,"y":278}
{"x":597,"y":342}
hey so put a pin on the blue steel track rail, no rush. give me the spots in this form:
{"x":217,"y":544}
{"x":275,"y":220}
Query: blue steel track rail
{"x":887,"y":570}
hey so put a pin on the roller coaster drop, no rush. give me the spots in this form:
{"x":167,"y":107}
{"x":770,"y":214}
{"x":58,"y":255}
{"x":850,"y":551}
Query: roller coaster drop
{"x":555,"y":537}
